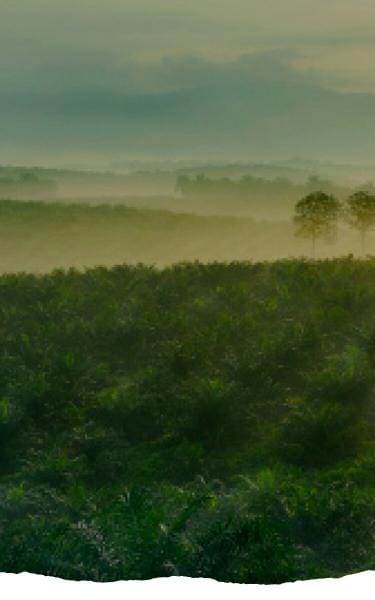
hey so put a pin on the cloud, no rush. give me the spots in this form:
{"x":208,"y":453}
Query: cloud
{"x":203,"y":78}
{"x":94,"y":71}
{"x":41,"y":34}
{"x":256,"y":107}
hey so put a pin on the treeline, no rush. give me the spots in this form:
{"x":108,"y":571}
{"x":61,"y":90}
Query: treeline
{"x":318,"y":214}
{"x":204,"y":420}
{"x":88,"y":183}
{"x":27,"y":186}
{"x":269,"y":198}
{"x":253,"y":188}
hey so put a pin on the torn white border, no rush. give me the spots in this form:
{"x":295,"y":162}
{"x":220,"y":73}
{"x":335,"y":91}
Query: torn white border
{"x":30,"y":587}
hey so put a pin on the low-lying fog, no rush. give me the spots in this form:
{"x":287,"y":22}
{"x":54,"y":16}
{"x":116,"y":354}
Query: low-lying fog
{"x":53,"y":218}
{"x":38,"y":237}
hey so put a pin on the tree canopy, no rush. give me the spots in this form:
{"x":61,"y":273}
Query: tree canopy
{"x":360,"y":213}
{"x":316,"y":216}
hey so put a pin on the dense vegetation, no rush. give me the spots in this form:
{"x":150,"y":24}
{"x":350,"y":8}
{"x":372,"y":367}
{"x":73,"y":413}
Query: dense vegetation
{"x":204,"y":420}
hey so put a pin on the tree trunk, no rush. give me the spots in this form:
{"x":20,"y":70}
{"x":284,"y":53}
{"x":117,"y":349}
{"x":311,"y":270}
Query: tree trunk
{"x":313,"y":246}
{"x":363,"y":234}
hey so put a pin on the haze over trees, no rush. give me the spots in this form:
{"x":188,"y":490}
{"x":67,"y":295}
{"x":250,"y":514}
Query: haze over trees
{"x":316,"y":216}
{"x":360,"y":214}
{"x":27,"y":186}
{"x":41,"y":236}
{"x":272,"y":198}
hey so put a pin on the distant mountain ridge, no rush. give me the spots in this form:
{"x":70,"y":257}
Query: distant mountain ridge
{"x":250,"y":109}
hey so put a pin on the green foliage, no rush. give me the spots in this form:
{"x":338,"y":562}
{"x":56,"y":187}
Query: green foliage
{"x":360,"y":213}
{"x":316,"y":216}
{"x":204,"y":420}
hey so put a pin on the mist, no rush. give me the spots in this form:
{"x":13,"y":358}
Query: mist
{"x":39,"y":237}
{"x":106,"y":109}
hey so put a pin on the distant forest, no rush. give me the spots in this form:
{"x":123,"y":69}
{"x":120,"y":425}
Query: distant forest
{"x":261,"y":192}
{"x":272,"y":194}
{"x":27,"y":186}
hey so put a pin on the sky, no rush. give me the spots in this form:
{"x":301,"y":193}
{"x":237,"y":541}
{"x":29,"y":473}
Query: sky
{"x":206,"y":78}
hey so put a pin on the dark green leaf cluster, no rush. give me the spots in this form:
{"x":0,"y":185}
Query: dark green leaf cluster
{"x":209,"y":420}
{"x":316,"y":215}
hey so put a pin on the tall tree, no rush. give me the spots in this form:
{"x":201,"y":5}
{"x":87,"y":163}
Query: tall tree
{"x":360,"y":214}
{"x":316,"y":216}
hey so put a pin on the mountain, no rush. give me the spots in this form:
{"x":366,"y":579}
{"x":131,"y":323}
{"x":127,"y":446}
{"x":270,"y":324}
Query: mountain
{"x":252,"y":108}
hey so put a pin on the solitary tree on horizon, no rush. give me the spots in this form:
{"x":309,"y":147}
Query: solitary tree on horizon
{"x":360,"y":214}
{"x":316,"y":216}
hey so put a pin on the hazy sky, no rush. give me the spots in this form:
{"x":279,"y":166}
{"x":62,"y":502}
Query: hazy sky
{"x":334,"y":36}
{"x":60,"y":57}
